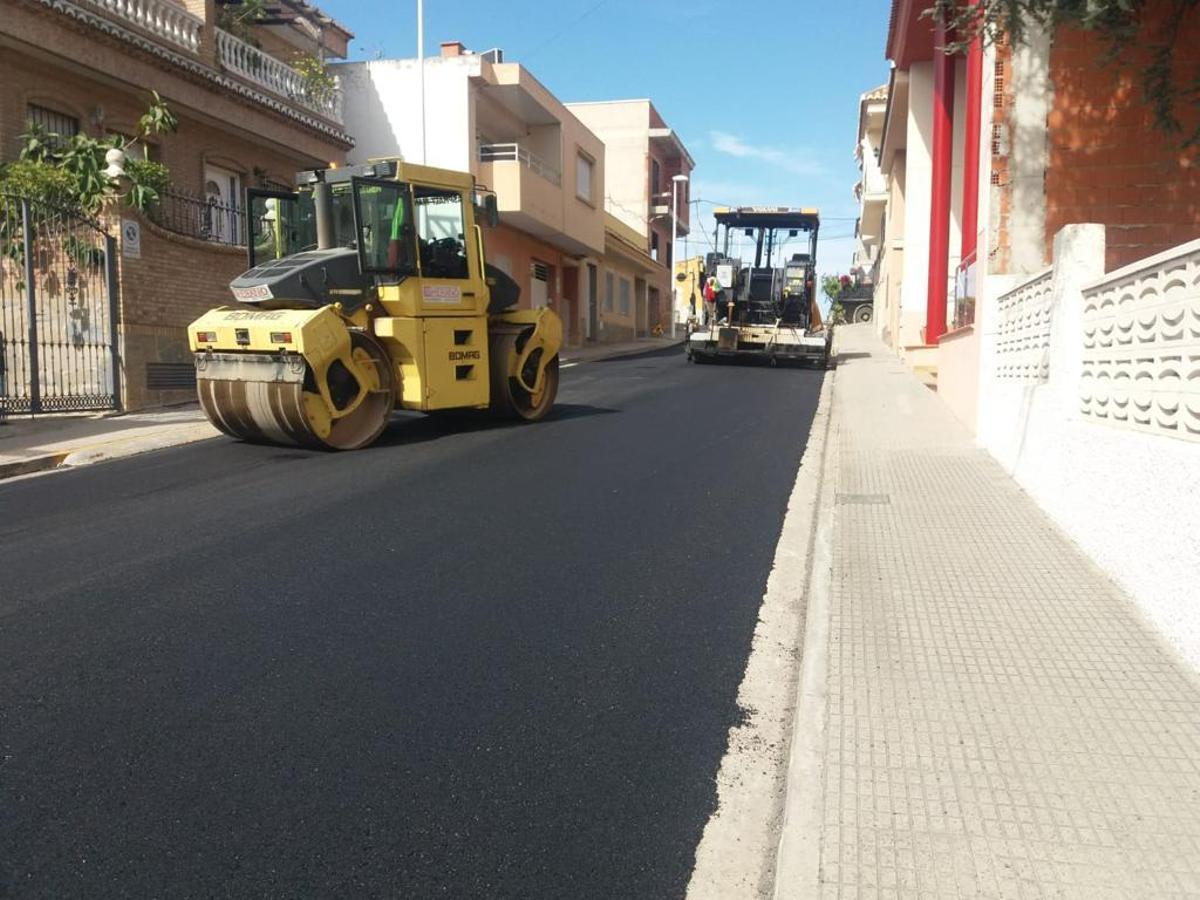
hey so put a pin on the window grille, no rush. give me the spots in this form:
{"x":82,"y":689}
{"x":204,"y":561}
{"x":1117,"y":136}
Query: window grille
{"x":52,"y":121}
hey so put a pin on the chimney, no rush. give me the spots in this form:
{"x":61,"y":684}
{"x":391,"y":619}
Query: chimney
{"x":453,"y":48}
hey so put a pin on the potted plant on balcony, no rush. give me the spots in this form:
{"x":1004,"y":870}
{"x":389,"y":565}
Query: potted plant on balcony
{"x":317,"y":83}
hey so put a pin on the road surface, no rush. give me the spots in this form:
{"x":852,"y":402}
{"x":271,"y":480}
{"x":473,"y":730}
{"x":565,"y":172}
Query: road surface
{"x":472,"y":661}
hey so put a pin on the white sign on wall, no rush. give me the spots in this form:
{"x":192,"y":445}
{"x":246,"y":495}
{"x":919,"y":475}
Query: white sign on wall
{"x":131,"y":239}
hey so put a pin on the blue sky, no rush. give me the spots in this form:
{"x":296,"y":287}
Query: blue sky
{"x":776,"y":128}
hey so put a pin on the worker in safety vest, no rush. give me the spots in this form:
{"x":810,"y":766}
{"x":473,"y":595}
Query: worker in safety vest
{"x":712,"y":292}
{"x":399,"y":251}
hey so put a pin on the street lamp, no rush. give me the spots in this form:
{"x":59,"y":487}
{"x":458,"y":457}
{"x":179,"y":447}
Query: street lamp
{"x":675,"y":183}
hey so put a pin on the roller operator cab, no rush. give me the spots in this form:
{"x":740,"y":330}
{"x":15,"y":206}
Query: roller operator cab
{"x":767,"y":309}
{"x":368,"y":290}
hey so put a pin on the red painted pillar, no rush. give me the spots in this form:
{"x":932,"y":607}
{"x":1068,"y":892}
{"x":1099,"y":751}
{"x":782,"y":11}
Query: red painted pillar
{"x":939,"y":201}
{"x":970,"y":202}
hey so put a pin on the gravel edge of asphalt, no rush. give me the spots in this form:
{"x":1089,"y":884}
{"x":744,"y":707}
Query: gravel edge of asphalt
{"x":737,"y":853}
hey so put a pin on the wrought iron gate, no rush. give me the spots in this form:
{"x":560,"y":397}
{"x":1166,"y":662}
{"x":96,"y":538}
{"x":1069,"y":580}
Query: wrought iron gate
{"x":58,"y":324}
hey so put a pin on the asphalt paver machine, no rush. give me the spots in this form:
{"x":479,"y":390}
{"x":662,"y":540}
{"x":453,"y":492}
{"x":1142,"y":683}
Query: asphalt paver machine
{"x":368,"y":290}
{"x":767,"y":309}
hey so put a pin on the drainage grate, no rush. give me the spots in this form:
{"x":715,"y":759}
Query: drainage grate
{"x":864,"y":499}
{"x":166,"y":376}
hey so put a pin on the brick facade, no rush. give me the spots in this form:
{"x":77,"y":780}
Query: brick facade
{"x":175,"y":280}
{"x":99,"y":70}
{"x":28,"y":80}
{"x":1108,"y":162}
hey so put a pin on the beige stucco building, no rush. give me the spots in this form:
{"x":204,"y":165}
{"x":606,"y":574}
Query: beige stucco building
{"x":496,"y":120}
{"x":643,"y":154}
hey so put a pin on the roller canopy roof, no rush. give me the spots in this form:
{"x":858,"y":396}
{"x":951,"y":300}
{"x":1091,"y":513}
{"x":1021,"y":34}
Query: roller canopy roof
{"x":806,"y":218}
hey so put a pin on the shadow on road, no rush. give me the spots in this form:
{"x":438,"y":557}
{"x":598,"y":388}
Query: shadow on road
{"x":645,"y":354}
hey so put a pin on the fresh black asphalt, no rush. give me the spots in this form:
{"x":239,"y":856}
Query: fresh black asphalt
{"x":471,"y":661}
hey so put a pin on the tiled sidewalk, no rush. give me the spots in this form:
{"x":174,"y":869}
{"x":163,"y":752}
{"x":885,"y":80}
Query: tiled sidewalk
{"x":1001,"y":723}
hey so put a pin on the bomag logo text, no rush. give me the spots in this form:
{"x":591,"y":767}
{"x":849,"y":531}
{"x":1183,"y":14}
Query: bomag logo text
{"x":459,"y":355}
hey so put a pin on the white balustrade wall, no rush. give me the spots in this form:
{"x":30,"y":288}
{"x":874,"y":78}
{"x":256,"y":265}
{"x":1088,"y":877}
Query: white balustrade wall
{"x":235,"y":55}
{"x":1023,"y":330}
{"x":1141,"y":346}
{"x":162,"y":18}
{"x":1068,"y":355}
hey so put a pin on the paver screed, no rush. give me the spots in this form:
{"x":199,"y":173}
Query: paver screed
{"x":1000,"y":722}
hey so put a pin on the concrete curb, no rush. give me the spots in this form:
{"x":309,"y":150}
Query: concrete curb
{"x":32,"y":465}
{"x":96,"y":451}
{"x":798,"y":858}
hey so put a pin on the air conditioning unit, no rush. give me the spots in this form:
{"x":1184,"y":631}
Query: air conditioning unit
{"x":495,"y":55}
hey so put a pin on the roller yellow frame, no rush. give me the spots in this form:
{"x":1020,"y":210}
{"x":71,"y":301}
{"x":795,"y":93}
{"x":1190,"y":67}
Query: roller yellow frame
{"x":369,"y":289}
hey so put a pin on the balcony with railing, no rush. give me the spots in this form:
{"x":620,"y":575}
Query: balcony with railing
{"x":168,"y":24}
{"x":491,"y":153}
{"x":164,"y":19}
{"x":248,"y":62}
{"x":528,"y":189}
{"x":202,"y":218}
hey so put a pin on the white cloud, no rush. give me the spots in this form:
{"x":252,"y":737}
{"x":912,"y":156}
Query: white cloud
{"x":794,"y":162}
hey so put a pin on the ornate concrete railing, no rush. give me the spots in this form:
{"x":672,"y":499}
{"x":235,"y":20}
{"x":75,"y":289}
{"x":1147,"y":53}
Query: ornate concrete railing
{"x":1141,"y":345}
{"x":1023,"y":330}
{"x":161,"y":18}
{"x":249,"y":62}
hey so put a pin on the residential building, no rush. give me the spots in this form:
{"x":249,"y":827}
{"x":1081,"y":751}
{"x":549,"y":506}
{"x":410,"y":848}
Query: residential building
{"x":691,"y":285}
{"x":496,"y":120}
{"x":988,"y":169}
{"x":246,"y":118}
{"x":871,"y":192}
{"x":643,"y":157}
{"x":1049,"y":283}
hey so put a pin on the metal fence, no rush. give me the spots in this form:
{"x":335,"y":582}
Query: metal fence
{"x":964,"y":292}
{"x":58,"y":287}
{"x":203,"y":218}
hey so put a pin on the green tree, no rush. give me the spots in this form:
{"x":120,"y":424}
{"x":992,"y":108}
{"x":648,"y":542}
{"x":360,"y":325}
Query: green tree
{"x":1146,"y":30}
{"x":239,"y":18}
{"x":833,"y":286}
{"x":71,"y":170}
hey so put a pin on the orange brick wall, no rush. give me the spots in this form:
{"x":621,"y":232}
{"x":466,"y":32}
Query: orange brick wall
{"x":1107,"y":161}
{"x":175,"y":280}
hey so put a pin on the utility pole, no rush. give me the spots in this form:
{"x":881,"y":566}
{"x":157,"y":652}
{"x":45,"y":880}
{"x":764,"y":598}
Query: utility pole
{"x":421,"y":67}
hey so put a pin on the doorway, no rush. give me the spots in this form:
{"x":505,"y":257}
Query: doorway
{"x":593,"y":305}
{"x":223,"y":200}
{"x":570,"y":306}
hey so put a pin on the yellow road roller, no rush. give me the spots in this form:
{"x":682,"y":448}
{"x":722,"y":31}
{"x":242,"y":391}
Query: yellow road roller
{"x":368,"y":290}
